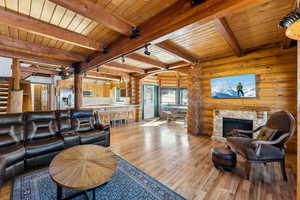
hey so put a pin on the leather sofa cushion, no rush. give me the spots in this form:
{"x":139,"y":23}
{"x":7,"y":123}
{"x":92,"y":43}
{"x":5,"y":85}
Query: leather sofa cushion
{"x":84,"y":124}
{"x":64,"y":124}
{"x":8,"y":119}
{"x":82,"y":114}
{"x":63,"y":114}
{"x":41,"y":129}
{"x":91,"y":137}
{"x":2,"y":172}
{"x":40,"y":116}
{"x":6,"y":140}
{"x":43,"y":146}
{"x":11,"y":134}
{"x":64,"y":120}
{"x":12,"y":154}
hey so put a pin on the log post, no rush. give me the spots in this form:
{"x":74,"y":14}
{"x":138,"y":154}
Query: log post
{"x":78,"y":76}
{"x":15,"y":99}
{"x":135,"y":97}
{"x":129,"y":87}
{"x":195,"y":101}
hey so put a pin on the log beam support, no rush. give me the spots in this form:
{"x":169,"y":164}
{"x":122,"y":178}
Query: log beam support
{"x":78,"y":77}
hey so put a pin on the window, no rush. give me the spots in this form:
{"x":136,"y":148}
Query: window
{"x":118,"y":95}
{"x":172,"y":96}
{"x":169,"y":96}
{"x":184,"y":96}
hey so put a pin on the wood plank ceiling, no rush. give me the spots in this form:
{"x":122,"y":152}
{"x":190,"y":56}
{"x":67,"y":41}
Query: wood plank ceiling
{"x":251,"y":28}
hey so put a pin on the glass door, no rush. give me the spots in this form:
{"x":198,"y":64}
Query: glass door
{"x":148,"y":102}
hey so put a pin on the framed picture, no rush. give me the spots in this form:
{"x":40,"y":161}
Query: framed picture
{"x":242,"y":86}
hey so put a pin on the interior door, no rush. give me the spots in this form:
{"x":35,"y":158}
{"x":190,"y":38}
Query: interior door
{"x":148,"y":102}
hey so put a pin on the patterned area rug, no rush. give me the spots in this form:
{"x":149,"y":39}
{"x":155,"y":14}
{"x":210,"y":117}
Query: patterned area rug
{"x":128,"y":183}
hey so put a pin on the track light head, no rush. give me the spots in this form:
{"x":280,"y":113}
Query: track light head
{"x":98,"y":69}
{"x":289,"y":19}
{"x":292,"y":24}
{"x":123,"y":59}
{"x":147,"y":52}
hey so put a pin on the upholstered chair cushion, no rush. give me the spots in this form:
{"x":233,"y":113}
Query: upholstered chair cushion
{"x":266,"y":133}
{"x":247,"y":149}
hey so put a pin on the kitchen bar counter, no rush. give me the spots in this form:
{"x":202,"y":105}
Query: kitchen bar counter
{"x":114,"y":114}
{"x":111,"y":107}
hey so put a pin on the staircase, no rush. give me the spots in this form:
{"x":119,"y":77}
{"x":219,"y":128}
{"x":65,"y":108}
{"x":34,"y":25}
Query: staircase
{"x":4,"y":88}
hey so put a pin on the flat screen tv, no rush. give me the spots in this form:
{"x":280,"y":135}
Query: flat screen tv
{"x":242,"y":86}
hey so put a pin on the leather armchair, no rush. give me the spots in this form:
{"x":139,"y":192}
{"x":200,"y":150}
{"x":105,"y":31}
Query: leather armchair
{"x":42,"y":139}
{"x":263,"y":151}
{"x":12,"y":149}
{"x":89,"y":131}
{"x":65,"y":129}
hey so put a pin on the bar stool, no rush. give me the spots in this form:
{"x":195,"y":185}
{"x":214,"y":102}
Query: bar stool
{"x":104,"y":118}
{"x":115,"y":118}
{"x":131,"y":116}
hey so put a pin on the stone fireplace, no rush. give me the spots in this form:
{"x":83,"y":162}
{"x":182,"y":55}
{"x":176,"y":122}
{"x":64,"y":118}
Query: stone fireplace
{"x":255,"y":118}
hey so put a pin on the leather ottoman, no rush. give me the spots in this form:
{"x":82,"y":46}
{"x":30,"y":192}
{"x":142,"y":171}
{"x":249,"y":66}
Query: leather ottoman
{"x":223,"y":158}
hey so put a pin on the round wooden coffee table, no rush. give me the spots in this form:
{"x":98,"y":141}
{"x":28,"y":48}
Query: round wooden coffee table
{"x":83,"y":167}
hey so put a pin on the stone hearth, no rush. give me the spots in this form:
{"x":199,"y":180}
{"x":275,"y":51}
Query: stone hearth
{"x":259,"y":118}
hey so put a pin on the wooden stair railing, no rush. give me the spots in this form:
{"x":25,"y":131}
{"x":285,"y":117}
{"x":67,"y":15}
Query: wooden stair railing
{"x":4,"y":95}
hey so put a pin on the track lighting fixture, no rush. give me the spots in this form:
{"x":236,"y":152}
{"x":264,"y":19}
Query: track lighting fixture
{"x":123,"y":59}
{"x":147,"y":52}
{"x":98,"y":69}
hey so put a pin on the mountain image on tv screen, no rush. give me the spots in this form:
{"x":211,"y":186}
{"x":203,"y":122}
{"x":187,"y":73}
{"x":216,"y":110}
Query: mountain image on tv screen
{"x":242,"y":86}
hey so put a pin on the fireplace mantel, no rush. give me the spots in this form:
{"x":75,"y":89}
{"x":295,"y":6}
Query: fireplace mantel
{"x":258,"y":117}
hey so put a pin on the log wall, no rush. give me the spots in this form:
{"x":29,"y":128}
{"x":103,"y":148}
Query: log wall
{"x":276,"y":83}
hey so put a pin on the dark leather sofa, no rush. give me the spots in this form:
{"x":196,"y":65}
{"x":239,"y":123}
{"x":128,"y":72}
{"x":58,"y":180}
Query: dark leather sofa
{"x":31,"y":140}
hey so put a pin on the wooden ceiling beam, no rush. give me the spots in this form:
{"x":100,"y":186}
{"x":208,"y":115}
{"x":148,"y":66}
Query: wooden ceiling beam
{"x":178,"y":64}
{"x":224,"y":29}
{"x":112,"y":71}
{"x":36,"y":59}
{"x":95,"y":12}
{"x":99,"y":74}
{"x":126,"y":67}
{"x":174,"y":49}
{"x":40,"y":49}
{"x":32,"y":25}
{"x":147,"y":60}
{"x":98,"y":78}
{"x":39,"y":70}
{"x":177,"y":18}
{"x":42,"y":64}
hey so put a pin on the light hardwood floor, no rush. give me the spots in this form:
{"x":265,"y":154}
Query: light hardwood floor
{"x":183,"y":163}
